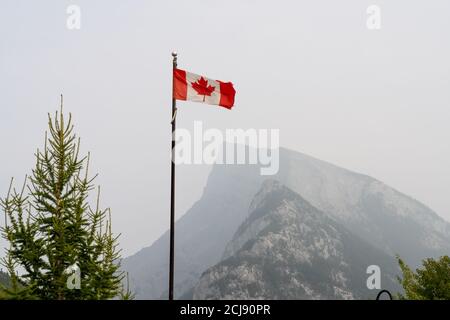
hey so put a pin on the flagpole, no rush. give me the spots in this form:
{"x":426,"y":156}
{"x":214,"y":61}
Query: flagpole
{"x":172,"y":189}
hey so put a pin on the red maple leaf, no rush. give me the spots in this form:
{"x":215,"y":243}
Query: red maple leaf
{"x":202,"y":87}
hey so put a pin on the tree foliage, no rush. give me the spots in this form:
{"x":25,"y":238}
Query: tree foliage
{"x":430,"y":282}
{"x":52,"y":227}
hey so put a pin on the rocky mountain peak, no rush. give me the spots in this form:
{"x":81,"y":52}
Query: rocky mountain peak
{"x":288,"y":249}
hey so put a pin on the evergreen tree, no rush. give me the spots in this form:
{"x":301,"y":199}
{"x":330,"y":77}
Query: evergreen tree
{"x":431,"y":282}
{"x":53,"y":230}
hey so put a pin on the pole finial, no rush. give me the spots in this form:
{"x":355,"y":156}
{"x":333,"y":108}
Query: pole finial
{"x":175,"y":59}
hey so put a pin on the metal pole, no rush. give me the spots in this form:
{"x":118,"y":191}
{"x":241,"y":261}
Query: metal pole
{"x":172,"y":190}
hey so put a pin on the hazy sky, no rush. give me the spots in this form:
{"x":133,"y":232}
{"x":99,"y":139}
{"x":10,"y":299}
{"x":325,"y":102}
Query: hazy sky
{"x":373,"y":101}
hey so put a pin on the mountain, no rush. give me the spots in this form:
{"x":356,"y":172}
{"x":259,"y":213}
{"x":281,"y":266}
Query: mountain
{"x":4,"y":279}
{"x":4,"y":282}
{"x":288,"y":249}
{"x":201,"y":234}
{"x":372,"y":211}
{"x":390,"y":220}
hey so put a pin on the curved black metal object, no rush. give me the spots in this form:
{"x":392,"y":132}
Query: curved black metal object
{"x":384,"y":291}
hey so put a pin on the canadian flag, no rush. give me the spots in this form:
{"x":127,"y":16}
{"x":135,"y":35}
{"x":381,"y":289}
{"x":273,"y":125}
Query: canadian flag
{"x":192,"y":87}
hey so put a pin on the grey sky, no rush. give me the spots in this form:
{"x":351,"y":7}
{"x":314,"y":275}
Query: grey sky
{"x":373,"y":101}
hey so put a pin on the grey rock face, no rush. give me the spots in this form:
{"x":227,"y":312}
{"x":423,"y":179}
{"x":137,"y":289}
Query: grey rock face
{"x":201,"y":234}
{"x":288,"y":249}
{"x":377,"y":214}
{"x":381,"y":215}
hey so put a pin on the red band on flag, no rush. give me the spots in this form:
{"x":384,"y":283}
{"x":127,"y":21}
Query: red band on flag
{"x":227,"y":94}
{"x":179,"y":84}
